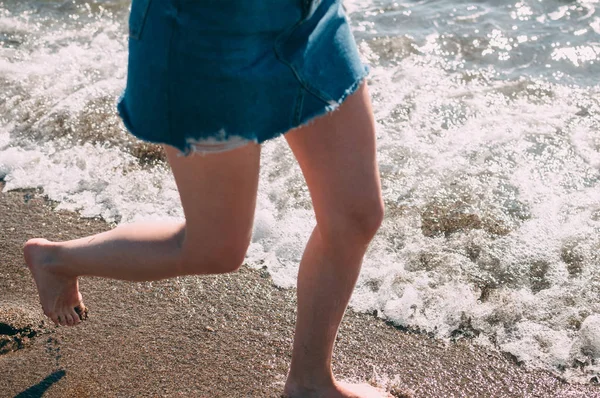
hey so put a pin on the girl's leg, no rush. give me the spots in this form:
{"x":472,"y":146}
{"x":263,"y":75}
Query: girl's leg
{"x":218,"y":194}
{"x":337,"y":156}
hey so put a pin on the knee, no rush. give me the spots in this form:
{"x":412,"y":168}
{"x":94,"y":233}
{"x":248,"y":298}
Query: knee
{"x":216,"y":260}
{"x":356,"y":223}
{"x":366,"y":222}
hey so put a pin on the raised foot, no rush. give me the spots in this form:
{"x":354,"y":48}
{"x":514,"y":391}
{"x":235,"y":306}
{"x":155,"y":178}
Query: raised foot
{"x":338,"y":390}
{"x":59,"y":292}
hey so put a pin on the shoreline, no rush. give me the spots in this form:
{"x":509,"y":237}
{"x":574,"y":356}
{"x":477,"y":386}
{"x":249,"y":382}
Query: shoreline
{"x":213,"y":336}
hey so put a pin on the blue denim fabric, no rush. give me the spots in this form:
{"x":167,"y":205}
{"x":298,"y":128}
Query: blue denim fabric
{"x":204,"y":74}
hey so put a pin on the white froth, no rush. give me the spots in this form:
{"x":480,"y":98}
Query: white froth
{"x":93,"y":180}
{"x":589,"y":335}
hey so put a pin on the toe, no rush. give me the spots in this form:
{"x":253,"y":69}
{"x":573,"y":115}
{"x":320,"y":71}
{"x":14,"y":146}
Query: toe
{"x":75,"y":317}
{"x":54,"y":318}
{"x":62,"y":320}
{"x":81,"y":311}
{"x":68,"y":318}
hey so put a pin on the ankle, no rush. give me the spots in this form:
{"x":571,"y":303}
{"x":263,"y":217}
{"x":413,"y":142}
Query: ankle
{"x":43,"y":253}
{"x":308,"y":385}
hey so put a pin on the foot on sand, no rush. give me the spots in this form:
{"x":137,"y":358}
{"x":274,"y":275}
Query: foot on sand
{"x":338,"y":390}
{"x":59,"y":293}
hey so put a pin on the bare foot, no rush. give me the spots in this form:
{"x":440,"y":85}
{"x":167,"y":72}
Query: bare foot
{"x":59,"y":293}
{"x":338,"y":390}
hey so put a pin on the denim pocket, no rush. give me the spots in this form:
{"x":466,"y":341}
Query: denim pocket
{"x":137,"y":17}
{"x":320,"y":50}
{"x":295,"y":47}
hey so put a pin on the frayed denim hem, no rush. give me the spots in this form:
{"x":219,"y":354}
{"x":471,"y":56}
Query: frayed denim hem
{"x":223,"y":141}
{"x":349,"y":91}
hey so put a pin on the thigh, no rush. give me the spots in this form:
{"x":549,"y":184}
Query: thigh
{"x":218,"y":195}
{"x":337,"y":156}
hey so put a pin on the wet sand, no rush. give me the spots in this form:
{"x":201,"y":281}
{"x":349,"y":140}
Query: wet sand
{"x":216,"y":336}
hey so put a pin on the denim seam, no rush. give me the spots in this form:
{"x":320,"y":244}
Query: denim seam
{"x":299,"y":107}
{"x":323,"y":96}
{"x":307,"y":86}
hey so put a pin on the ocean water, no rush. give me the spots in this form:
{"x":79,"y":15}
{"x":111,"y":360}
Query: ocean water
{"x":488,"y":124}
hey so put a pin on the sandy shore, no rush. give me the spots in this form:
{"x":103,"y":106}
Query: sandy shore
{"x":225,"y":336}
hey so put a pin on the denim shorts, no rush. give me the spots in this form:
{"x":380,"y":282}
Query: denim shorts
{"x":212,"y":75}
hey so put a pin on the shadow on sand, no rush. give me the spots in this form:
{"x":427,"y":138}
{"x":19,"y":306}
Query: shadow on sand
{"x":40,"y":388}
